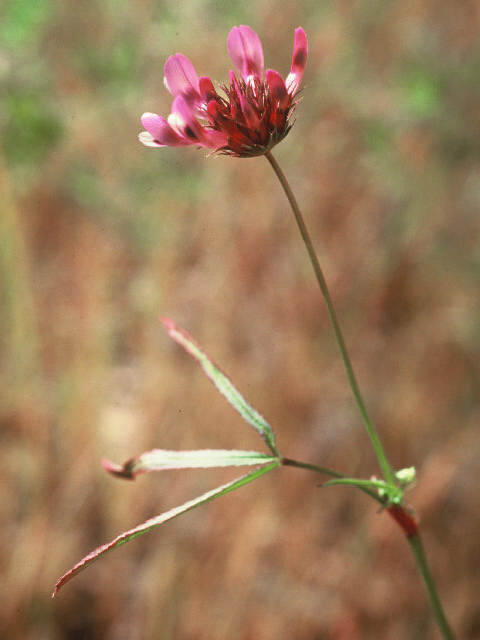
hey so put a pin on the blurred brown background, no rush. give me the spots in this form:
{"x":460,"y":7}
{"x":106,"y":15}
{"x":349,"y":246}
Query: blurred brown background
{"x":99,"y":236}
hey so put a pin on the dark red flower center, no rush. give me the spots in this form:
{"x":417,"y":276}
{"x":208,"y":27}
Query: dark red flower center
{"x":252,"y":115}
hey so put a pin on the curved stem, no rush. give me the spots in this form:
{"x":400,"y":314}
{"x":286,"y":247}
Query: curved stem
{"x":416,"y":546}
{"x":385,"y":465}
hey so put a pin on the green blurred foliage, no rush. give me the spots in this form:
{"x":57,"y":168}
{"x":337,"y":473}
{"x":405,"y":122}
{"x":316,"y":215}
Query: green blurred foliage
{"x":422,"y":94}
{"x":31,"y":128}
{"x":110,"y":66}
{"x":22,"y":21}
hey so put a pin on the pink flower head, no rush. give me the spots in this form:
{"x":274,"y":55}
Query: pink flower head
{"x":251,"y":114}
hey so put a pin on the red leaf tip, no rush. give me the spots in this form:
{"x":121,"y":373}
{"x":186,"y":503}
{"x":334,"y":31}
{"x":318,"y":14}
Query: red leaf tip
{"x":168,"y":323}
{"x":117,"y":470}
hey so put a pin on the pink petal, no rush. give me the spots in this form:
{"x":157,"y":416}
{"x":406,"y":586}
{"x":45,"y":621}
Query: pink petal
{"x":181,"y":78}
{"x":161,"y":132}
{"x":184,"y":122}
{"x":215,"y":139}
{"x":277,"y":87}
{"x":153,"y":123}
{"x":299,"y":61}
{"x":245,"y":49}
{"x":148,"y":140}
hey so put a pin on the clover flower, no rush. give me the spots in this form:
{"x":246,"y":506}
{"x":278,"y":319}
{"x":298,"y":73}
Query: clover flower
{"x":246,"y":118}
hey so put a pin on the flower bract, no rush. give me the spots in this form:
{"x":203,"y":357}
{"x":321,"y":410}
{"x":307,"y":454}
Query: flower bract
{"x":244,"y":118}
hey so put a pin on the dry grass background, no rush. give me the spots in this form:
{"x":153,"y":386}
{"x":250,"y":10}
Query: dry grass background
{"x":99,"y":236}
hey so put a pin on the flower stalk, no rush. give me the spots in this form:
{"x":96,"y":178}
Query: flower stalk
{"x":385,"y":465}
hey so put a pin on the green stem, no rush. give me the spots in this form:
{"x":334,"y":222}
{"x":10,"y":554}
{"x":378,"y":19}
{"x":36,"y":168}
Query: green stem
{"x":416,"y":546}
{"x":371,"y":431}
{"x":288,"y":462}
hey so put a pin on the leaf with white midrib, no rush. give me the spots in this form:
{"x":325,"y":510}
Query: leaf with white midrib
{"x":164,"y":459}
